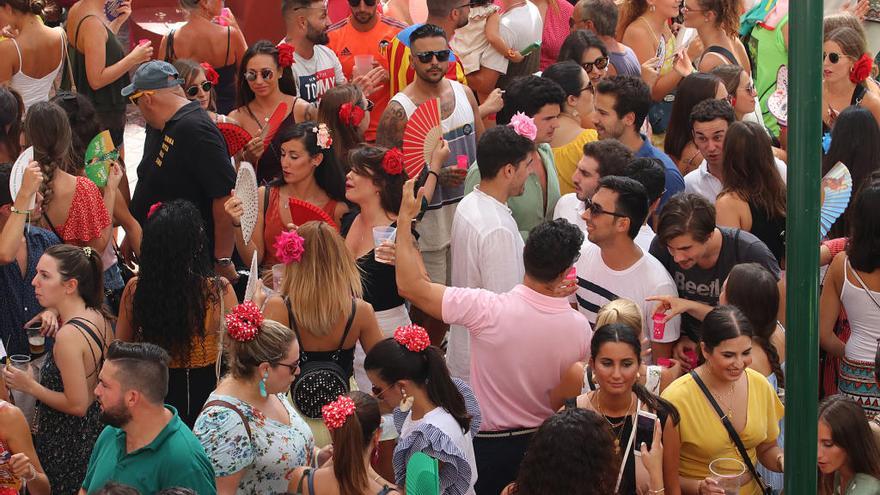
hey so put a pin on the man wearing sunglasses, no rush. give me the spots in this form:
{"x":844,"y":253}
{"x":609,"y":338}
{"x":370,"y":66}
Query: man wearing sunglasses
{"x":612,"y":265}
{"x":316,"y":67}
{"x":365,"y":33}
{"x":185,"y":157}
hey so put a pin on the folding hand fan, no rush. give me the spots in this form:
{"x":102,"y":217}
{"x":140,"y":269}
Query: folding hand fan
{"x":100,"y":153}
{"x":235,"y":135}
{"x":275,"y":122}
{"x":252,"y":279}
{"x":836,"y":189}
{"x":778,"y":101}
{"x":17,"y":174}
{"x":422,"y":475}
{"x":246,"y":191}
{"x":421,"y":135}
{"x":303,"y":211}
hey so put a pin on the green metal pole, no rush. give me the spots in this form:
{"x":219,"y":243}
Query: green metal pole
{"x":802,"y":243}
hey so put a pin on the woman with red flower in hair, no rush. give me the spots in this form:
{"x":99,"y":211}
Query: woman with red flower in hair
{"x":845,"y":67}
{"x":346,"y":111}
{"x":200,"y":84}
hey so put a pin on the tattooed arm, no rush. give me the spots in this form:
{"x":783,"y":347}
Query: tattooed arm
{"x":389,"y":133}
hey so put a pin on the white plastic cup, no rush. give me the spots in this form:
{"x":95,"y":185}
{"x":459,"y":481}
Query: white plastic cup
{"x":381,"y":235}
{"x":277,"y":276}
{"x":19,"y":361}
{"x":728,"y":472}
{"x":362,"y":65}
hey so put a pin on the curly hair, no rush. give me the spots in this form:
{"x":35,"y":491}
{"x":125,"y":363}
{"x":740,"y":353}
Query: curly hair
{"x":570,"y":453}
{"x":84,"y":127}
{"x":48,"y":130}
{"x":551,"y":249}
{"x":174,"y":289}
{"x":366,"y":161}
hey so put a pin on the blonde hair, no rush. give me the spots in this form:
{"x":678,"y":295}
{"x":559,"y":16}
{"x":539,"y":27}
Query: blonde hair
{"x":320,"y":286}
{"x":269,"y":346}
{"x":620,"y":311}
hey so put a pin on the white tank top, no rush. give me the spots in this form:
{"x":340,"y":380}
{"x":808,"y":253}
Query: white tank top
{"x":34,"y":90}
{"x":864,"y":318}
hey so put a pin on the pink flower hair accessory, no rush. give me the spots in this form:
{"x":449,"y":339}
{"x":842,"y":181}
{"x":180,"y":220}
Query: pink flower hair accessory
{"x":336,"y":413}
{"x":324,"y":139}
{"x":392,"y":162}
{"x":351,"y":115}
{"x":289,"y":247}
{"x":244,"y":322}
{"x":285,"y":55}
{"x":524,"y":125}
{"x":413,"y":337}
{"x":210,"y":74}
{"x":153,"y":209}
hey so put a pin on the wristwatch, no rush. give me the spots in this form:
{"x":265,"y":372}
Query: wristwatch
{"x":223,"y":261}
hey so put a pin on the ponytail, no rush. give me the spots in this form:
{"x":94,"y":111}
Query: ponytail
{"x":82,"y":264}
{"x":442,"y":391}
{"x":351,"y":440}
{"x":656,"y":403}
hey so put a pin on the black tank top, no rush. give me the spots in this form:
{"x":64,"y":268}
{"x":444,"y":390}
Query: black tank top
{"x":108,"y":99}
{"x":771,"y":230}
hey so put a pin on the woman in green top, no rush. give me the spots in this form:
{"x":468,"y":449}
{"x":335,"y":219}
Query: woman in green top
{"x":848,"y":454}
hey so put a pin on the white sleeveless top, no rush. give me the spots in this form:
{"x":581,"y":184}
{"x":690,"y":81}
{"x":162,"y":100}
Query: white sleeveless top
{"x":34,"y":90}
{"x":864,"y":318}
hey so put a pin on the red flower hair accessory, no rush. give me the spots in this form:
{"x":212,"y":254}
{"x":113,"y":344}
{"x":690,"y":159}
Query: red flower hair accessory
{"x":413,"y":337}
{"x":210,"y":74}
{"x":153,"y":209}
{"x":351,"y":115}
{"x":861,"y":69}
{"x":244,"y":322}
{"x":289,"y":247}
{"x":392,"y":162}
{"x":336,"y":413}
{"x":285,"y":55}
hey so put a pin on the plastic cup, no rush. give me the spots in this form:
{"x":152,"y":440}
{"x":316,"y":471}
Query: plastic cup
{"x":380,"y":235}
{"x":728,"y":472}
{"x":143,"y":41}
{"x":36,"y":340}
{"x":19,"y":361}
{"x":659,"y":325}
{"x":572,"y":274}
{"x":362,"y":64}
{"x":462,"y":162}
{"x":277,"y":276}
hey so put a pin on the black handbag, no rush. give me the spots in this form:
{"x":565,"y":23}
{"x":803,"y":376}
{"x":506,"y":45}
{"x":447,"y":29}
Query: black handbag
{"x":734,"y":436}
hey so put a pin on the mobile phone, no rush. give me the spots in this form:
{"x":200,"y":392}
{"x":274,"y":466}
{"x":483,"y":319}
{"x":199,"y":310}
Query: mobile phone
{"x":529,"y":49}
{"x":661,"y":55}
{"x":111,"y":9}
{"x":645,"y":422}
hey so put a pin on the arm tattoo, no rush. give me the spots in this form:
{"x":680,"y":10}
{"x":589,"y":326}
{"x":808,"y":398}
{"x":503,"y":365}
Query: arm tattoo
{"x":389,"y":133}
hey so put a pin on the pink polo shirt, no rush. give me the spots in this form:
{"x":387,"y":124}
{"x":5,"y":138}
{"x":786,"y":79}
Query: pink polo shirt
{"x":521,"y":342}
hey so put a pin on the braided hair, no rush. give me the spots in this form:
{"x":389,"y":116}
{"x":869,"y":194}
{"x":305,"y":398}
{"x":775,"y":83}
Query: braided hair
{"x":47,"y":129}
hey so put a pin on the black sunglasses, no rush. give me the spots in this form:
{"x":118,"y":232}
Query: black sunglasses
{"x":368,"y":106}
{"x":832,"y":57}
{"x":193,"y":91}
{"x":266,"y":74}
{"x":425,"y":57}
{"x":355,"y":3}
{"x":600,"y":63}
{"x":292,"y":367}
{"x":377,"y":392}
{"x":596,"y":209}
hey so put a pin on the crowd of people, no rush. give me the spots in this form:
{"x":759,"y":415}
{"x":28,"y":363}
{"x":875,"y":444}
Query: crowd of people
{"x":577,"y":285}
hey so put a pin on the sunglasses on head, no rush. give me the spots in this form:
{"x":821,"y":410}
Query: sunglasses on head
{"x":832,"y":57}
{"x":266,"y":74}
{"x":193,"y":91}
{"x":425,"y":57}
{"x":355,"y":3}
{"x":600,"y":63}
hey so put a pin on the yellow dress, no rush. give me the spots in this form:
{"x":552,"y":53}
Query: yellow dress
{"x":703,"y":437}
{"x":567,"y":157}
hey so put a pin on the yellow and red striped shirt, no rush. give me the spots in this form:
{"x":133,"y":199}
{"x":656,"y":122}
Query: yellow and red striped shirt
{"x":401,"y":74}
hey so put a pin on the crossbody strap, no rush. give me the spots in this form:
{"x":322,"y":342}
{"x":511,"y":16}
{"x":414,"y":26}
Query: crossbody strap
{"x":218,"y":363}
{"x":231,"y":407}
{"x":731,"y":431}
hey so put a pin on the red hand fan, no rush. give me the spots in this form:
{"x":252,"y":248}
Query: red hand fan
{"x":421,"y":136}
{"x":275,"y":122}
{"x":303,"y":211}
{"x":235,"y":135}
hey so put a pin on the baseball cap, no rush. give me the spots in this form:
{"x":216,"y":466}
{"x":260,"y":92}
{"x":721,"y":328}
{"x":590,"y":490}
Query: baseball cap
{"x":155,"y":74}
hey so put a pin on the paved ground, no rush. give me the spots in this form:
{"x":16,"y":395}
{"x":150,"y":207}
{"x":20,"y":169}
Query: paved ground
{"x":134,"y":144}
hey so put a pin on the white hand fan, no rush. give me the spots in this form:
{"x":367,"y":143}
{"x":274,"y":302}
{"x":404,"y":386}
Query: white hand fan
{"x":836,"y":191}
{"x":251,"y":288}
{"x":246,"y":191}
{"x":17,"y":175}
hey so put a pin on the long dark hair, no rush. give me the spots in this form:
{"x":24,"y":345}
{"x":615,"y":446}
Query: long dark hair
{"x":244,"y":94}
{"x":577,"y":43}
{"x":724,"y":323}
{"x":174,"y":288}
{"x":692,"y":90}
{"x":84,"y":127}
{"x":752,"y":289}
{"x":351,"y":440}
{"x":48,"y":130}
{"x":750,"y":169}
{"x":849,"y":431}
{"x":427,"y":369}
{"x":83,"y":265}
{"x":624,"y":334}
{"x":864,"y":239}
{"x":855,"y":141}
{"x":572,"y":452}
{"x":328,"y":174}
{"x":367,"y":161}
{"x":11,"y":111}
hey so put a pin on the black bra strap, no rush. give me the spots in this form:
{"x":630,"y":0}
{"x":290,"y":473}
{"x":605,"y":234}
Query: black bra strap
{"x":228,"y":37}
{"x":82,"y":327}
{"x":348,"y":324}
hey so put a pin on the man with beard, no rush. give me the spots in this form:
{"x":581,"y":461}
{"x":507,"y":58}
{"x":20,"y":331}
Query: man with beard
{"x":622,"y":103}
{"x":145,"y":444}
{"x":366,"y":32}
{"x":316,"y":68}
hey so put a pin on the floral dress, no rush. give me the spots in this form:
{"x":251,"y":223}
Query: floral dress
{"x":269,"y":452}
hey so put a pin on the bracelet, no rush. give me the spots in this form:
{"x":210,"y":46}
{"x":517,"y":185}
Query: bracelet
{"x":435,"y":174}
{"x":33,"y":473}
{"x":20,"y":212}
{"x":236,"y":225}
{"x":657,"y":491}
{"x":223,"y":261}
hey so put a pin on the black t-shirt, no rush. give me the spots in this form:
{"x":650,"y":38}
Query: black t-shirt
{"x":704,"y":285}
{"x":187,"y":160}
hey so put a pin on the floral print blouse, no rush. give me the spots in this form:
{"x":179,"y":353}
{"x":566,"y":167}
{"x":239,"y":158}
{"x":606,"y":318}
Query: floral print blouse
{"x":268,"y":457}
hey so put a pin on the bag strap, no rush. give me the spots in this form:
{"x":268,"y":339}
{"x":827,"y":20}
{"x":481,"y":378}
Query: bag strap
{"x":51,"y":225}
{"x":736,"y":245}
{"x":219,"y":360}
{"x":293,"y":323}
{"x":231,"y":406}
{"x":861,"y":283}
{"x":78,"y":323}
{"x":266,"y":191}
{"x":348,"y":324}
{"x":731,"y":431}
{"x":302,"y":478}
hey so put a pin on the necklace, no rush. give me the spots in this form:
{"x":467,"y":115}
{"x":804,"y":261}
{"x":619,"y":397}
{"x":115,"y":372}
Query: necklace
{"x":574,"y":115}
{"x":618,"y":427}
{"x":727,"y":404}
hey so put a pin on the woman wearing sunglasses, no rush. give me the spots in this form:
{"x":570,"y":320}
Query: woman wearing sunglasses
{"x":259,"y":93}
{"x":845,"y":67}
{"x":588,"y":51}
{"x":717,"y":25}
{"x":200,"y":84}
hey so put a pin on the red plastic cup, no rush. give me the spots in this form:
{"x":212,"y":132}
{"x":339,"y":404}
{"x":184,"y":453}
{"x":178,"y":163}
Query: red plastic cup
{"x":572,"y":274}
{"x":462,"y":161}
{"x":143,"y":41}
{"x":692,"y":357}
{"x":659,"y":325}
{"x":665,"y":362}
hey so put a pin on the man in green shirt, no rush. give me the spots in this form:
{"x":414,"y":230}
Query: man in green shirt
{"x":145,"y":445}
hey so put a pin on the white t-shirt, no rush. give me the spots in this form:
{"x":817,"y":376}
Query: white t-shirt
{"x":519,"y":27}
{"x":645,"y":237}
{"x":569,"y":207}
{"x":486,"y":254}
{"x":598,"y":285}
{"x":314,"y":76}
{"x":705,"y":184}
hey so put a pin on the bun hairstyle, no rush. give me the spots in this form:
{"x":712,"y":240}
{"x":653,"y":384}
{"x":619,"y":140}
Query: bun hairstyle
{"x":366,"y":160}
{"x":11,"y":111}
{"x":351,"y":440}
{"x":82,"y":264}
{"x":47,"y":129}
{"x":270,"y":345}
{"x":35,"y":7}
{"x":620,"y":310}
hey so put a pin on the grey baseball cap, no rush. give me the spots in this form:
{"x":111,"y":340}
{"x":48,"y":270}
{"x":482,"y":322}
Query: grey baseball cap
{"x":155,"y":74}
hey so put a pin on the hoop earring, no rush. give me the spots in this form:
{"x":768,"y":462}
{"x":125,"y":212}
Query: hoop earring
{"x":406,"y":402}
{"x":263,"y":392}
{"x":652,"y":8}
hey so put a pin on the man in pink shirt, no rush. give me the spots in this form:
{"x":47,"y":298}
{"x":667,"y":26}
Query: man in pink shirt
{"x":520,"y":340}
